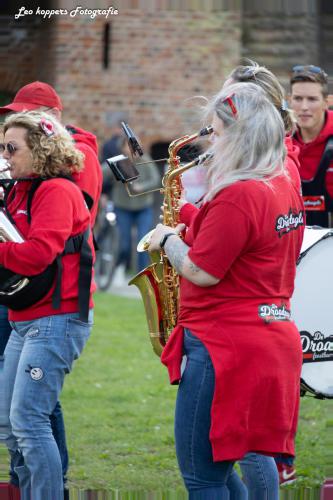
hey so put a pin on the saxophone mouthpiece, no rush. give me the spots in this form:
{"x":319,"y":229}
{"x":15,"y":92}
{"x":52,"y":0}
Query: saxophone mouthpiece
{"x":206,"y":131}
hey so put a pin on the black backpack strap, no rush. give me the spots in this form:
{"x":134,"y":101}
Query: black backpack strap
{"x":88,"y":199}
{"x":34,"y":186}
{"x":77,"y":244}
{"x":56,"y":296}
{"x":72,"y":130}
{"x":85,"y":276}
{"x":329,"y":147}
{"x":73,"y":244}
{"x":326,"y":158}
{"x":7,"y":189}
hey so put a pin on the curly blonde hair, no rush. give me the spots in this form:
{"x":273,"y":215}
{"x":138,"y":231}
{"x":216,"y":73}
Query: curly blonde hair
{"x":52,"y":147}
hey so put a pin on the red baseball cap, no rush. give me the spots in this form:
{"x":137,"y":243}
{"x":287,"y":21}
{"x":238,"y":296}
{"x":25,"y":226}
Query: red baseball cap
{"x":32,"y":96}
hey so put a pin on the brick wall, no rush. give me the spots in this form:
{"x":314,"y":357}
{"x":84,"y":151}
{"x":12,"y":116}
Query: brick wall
{"x":157,"y":61}
{"x":23,"y":52}
{"x":157,"y":58}
{"x":281,"y":34}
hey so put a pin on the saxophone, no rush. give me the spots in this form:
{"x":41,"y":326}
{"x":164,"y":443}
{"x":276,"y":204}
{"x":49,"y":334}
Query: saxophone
{"x":159,"y":282}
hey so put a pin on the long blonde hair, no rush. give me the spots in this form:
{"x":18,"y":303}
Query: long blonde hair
{"x":252,"y":143}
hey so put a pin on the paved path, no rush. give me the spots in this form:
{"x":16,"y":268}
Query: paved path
{"x":125,"y":291}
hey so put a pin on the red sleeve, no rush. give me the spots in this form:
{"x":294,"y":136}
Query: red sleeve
{"x":187,"y":213}
{"x":292,"y":162}
{"x":52,"y":216}
{"x":223,"y":235}
{"x":90,"y":179}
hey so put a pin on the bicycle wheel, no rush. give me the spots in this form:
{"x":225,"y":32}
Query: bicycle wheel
{"x":106,"y":256}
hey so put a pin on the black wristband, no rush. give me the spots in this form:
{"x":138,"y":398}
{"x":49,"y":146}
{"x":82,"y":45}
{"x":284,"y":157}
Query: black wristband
{"x":165,"y":237}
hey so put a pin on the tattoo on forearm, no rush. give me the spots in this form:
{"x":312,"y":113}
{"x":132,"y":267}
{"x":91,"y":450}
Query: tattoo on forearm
{"x":193,"y":267}
{"x":176,"y":251}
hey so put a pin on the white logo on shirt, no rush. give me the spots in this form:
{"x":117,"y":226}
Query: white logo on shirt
{"x":272,"y":312}
{"x":289,"y":222}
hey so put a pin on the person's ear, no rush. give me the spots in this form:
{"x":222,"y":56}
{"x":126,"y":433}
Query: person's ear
{"x":329,"y":100}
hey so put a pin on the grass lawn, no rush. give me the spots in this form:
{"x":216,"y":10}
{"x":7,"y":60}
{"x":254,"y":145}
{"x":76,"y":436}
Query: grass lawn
{"x":119,"y":406}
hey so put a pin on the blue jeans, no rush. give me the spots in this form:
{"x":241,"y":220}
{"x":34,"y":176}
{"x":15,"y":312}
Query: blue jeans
{"x":38,"y":355}
{"x":56,"y":418}
{"x":203,"y":478}
{"x":59,"y":434}
{"x":261,"y":476}
{"x":143,"y":221}
{"x":5,"y":329}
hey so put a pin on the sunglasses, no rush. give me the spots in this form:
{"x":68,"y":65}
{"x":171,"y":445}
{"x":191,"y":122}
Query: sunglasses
{"x":11,"y":149}
{"x":310,"y":69}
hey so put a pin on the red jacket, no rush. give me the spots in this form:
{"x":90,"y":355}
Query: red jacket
{"x":58,"y":212}
{"x":311,"y":153}
{"x":90,"y":179}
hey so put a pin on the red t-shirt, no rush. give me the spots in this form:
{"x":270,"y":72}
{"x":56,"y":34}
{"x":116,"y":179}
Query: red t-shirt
{"x":249,"y":236}
{"x":58,"y":212}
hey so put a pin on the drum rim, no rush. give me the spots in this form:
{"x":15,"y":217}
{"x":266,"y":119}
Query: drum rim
{"x":317,"y":394}
{"x":325,"y":236}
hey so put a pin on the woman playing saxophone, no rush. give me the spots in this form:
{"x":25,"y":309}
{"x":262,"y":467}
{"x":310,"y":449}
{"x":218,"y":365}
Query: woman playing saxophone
{"x":239,"y":391}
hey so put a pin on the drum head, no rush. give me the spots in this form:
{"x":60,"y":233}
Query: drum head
{"x":312,"y":311}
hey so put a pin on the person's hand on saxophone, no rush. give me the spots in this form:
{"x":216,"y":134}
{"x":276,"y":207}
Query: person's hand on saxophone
{"x":167,"y":238}
{"x":161,"y":234}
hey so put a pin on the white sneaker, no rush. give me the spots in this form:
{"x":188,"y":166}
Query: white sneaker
{"x":119,"y":277}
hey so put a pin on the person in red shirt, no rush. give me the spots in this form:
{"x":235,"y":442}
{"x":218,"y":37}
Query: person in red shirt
{"x":309,"y":101}
{"x":240,"y":389}
{"x":49,"y":332}
{"x":269,"y":83}
{"x":41,"y":96}
{"x":251,"y":462}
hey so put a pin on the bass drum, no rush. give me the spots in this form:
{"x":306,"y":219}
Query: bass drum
{"x":312,"y":311}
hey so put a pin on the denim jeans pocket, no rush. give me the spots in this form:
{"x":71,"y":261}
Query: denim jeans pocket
{"x":194,"y":349}
{"x":77,"y":334}
{"x":35,"y":328}
{"x":77,"y":328}
{"x":190,"y":338}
